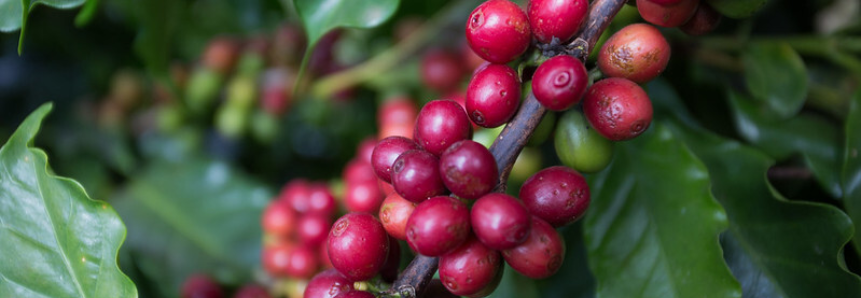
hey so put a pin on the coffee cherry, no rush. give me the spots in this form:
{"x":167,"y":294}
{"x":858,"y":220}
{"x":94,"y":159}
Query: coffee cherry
{"x":416,"y":177}
{"x":279,"y":219}
{"x":296,"y":193}
{"x":493,"y":95}
{"x":579,"y":146}
{"x":385,"y":153}
{"x":386,"y":188}
{"x":394,"y":215}
{"x":439,"y":124}
{"x":618,"y":109}
{"x":441,"y":70}
{"x":313,"y":228}
{"x":556,"y":18}
{"x":358,"y":246}
{"x":470,"y":58}
{"x":355,"y":294}
{"x":542,"y":253}
{"x":666,"y":2}
{"x":705,"y":20}
{"x":358,"y":170}
{"x":365,"y":149}
{"x":559,"y":195}
{"x":221,"y":55}
{"x":301,"y":262}
{"x":638,"y":52}
{"x":498,"y":31}
{"x":668,"y":15}
{"x":327,"y":284}
{"x":468,"y":169}
{"x":438,"y":225}
{"x":500,"y":221}
{"x":397,"y":117}
{"x":559,"y":83}
{"x":200,"y":286}
{"x":363,"y":196}
{"x":389,"y":272}
{"x":435,"y":289}
{"x":469,"y":268}
{"x":276,"y":258}
{"x":252,"y":291}
{"x":321,"y":200}
{"x":277,"y":91}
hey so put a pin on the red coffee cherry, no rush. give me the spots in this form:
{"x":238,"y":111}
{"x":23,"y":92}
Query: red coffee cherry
{"x":397,"y":117}
{"x":366,"y":148}
{"x":705,"y":20}
{"x":618,"y":109}
{"x":221,"y":54}
{"x":556,"y":18}
{"x":355,"y":294}
{"x":385,"y":153}
{"x":438,"y":226}
{"x":436,"y":289}
{"x":200,"y":286}
{"x":358,"y":246}
{"x":296,"y":193}
{"x":638,"y":52}
{"x":302,"y":262}
{"x":439,"y":124}
{"x":321,"y":200}
{"x":560,"y":82}
{"x":559,"y":195}
{"x":363,"y":196}
{"x":252,"y":291}
{"x":357,"y":170}
{"x":470,"y":268}
{"x":327,"y":284}
{"x":668,"y":15}
{"x":542,"y":253}
{"x":276,"y":258}
{"x":468,"y":169}
{"x":313,"y":228}
{"x":415,"y":176}
{"x":389,"y":272}
{"x":441,"y":70}
{"x":394,"y":215}
{"x":279,"y":219}
{"x":498,"y":31}
{"x":500,"y":221}
{"x":493,"y":95}
{"x":666,"y":2}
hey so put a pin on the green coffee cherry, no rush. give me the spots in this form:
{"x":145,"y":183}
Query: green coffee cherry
{"x":579,"y":146}
{"x":203,"y":88}
{"x":544,"y":129}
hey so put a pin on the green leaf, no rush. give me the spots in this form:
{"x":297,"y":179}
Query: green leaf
{"x":87,"y":13}
{"x":574,"y":280}
{"x":55,"y":240}
{"x":816,"y":139}
{"x":158,"y":21}
{"x":776,"y":76}
{"x":852,"y":167}
{"x":194,"y":216}
{"x":515,"y":285}
{"x":652,"y":227}
{"x":776,"y":248}
{"x":321,"y":16}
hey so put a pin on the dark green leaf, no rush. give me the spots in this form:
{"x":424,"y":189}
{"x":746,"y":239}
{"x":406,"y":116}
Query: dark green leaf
{"x":320,"y":16}
{"x":87,"y":13}
{"x":193,"y":216}
{"x":774,"y":247}
{"x":13,"y":14}
{"x":852,"y":167}
{"x":55,"y":240}
{"x":652,"y":227}
{"x":776,"y":76}
{"x":515,"y":285}
{"x":574,"y":280}
{"x":158,"y":21}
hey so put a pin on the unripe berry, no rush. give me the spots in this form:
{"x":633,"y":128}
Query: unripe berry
{"x":638,"y":52}
{"x":669,"y":15}
{"x":493,"y":95}
{"x":558,"y":195}
{"x":556,"y":18}
{"x":500,"y":221}
{"x":498,"y":31}
{"x":386,"y":152}
{"x":468,"y":169}
{"x":416,"y":177}
{"x":579,"y":146}
{"x":438,"y":226}
{"x":221,"y":55}
{"x":470,"y":268}
{"x":327,"y":284}
{"x":441,"y":70}
{"x":560,"y":82}
{"x":542,"y":253}
{"x":439,"y":124}
{"x":358,"y":246}
{"x":394,"y":215}
{"x":618,"y":109}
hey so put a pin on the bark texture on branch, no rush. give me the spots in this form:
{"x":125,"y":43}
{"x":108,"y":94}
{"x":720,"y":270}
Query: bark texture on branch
{"x":505,"y":149}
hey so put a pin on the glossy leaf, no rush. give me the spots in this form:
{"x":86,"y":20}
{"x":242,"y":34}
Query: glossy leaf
{"x":574,"y":280}
{"x":652,"y":227}
{"x":814,"y":138}
{"x":776,"y":76}
{"x":13,"y":14}
{"x":852,"y":167}
{"x":55,"y":240}
{"x":776,"y":248}
{"x":321,"y":16}
{"x":515,"y":285}
{"x":193,"y":216}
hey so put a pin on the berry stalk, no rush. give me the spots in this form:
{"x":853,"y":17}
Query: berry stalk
{"x":415,"y":278}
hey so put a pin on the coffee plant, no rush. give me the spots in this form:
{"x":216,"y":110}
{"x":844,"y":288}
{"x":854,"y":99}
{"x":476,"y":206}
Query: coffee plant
{"x":387,"y":148}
